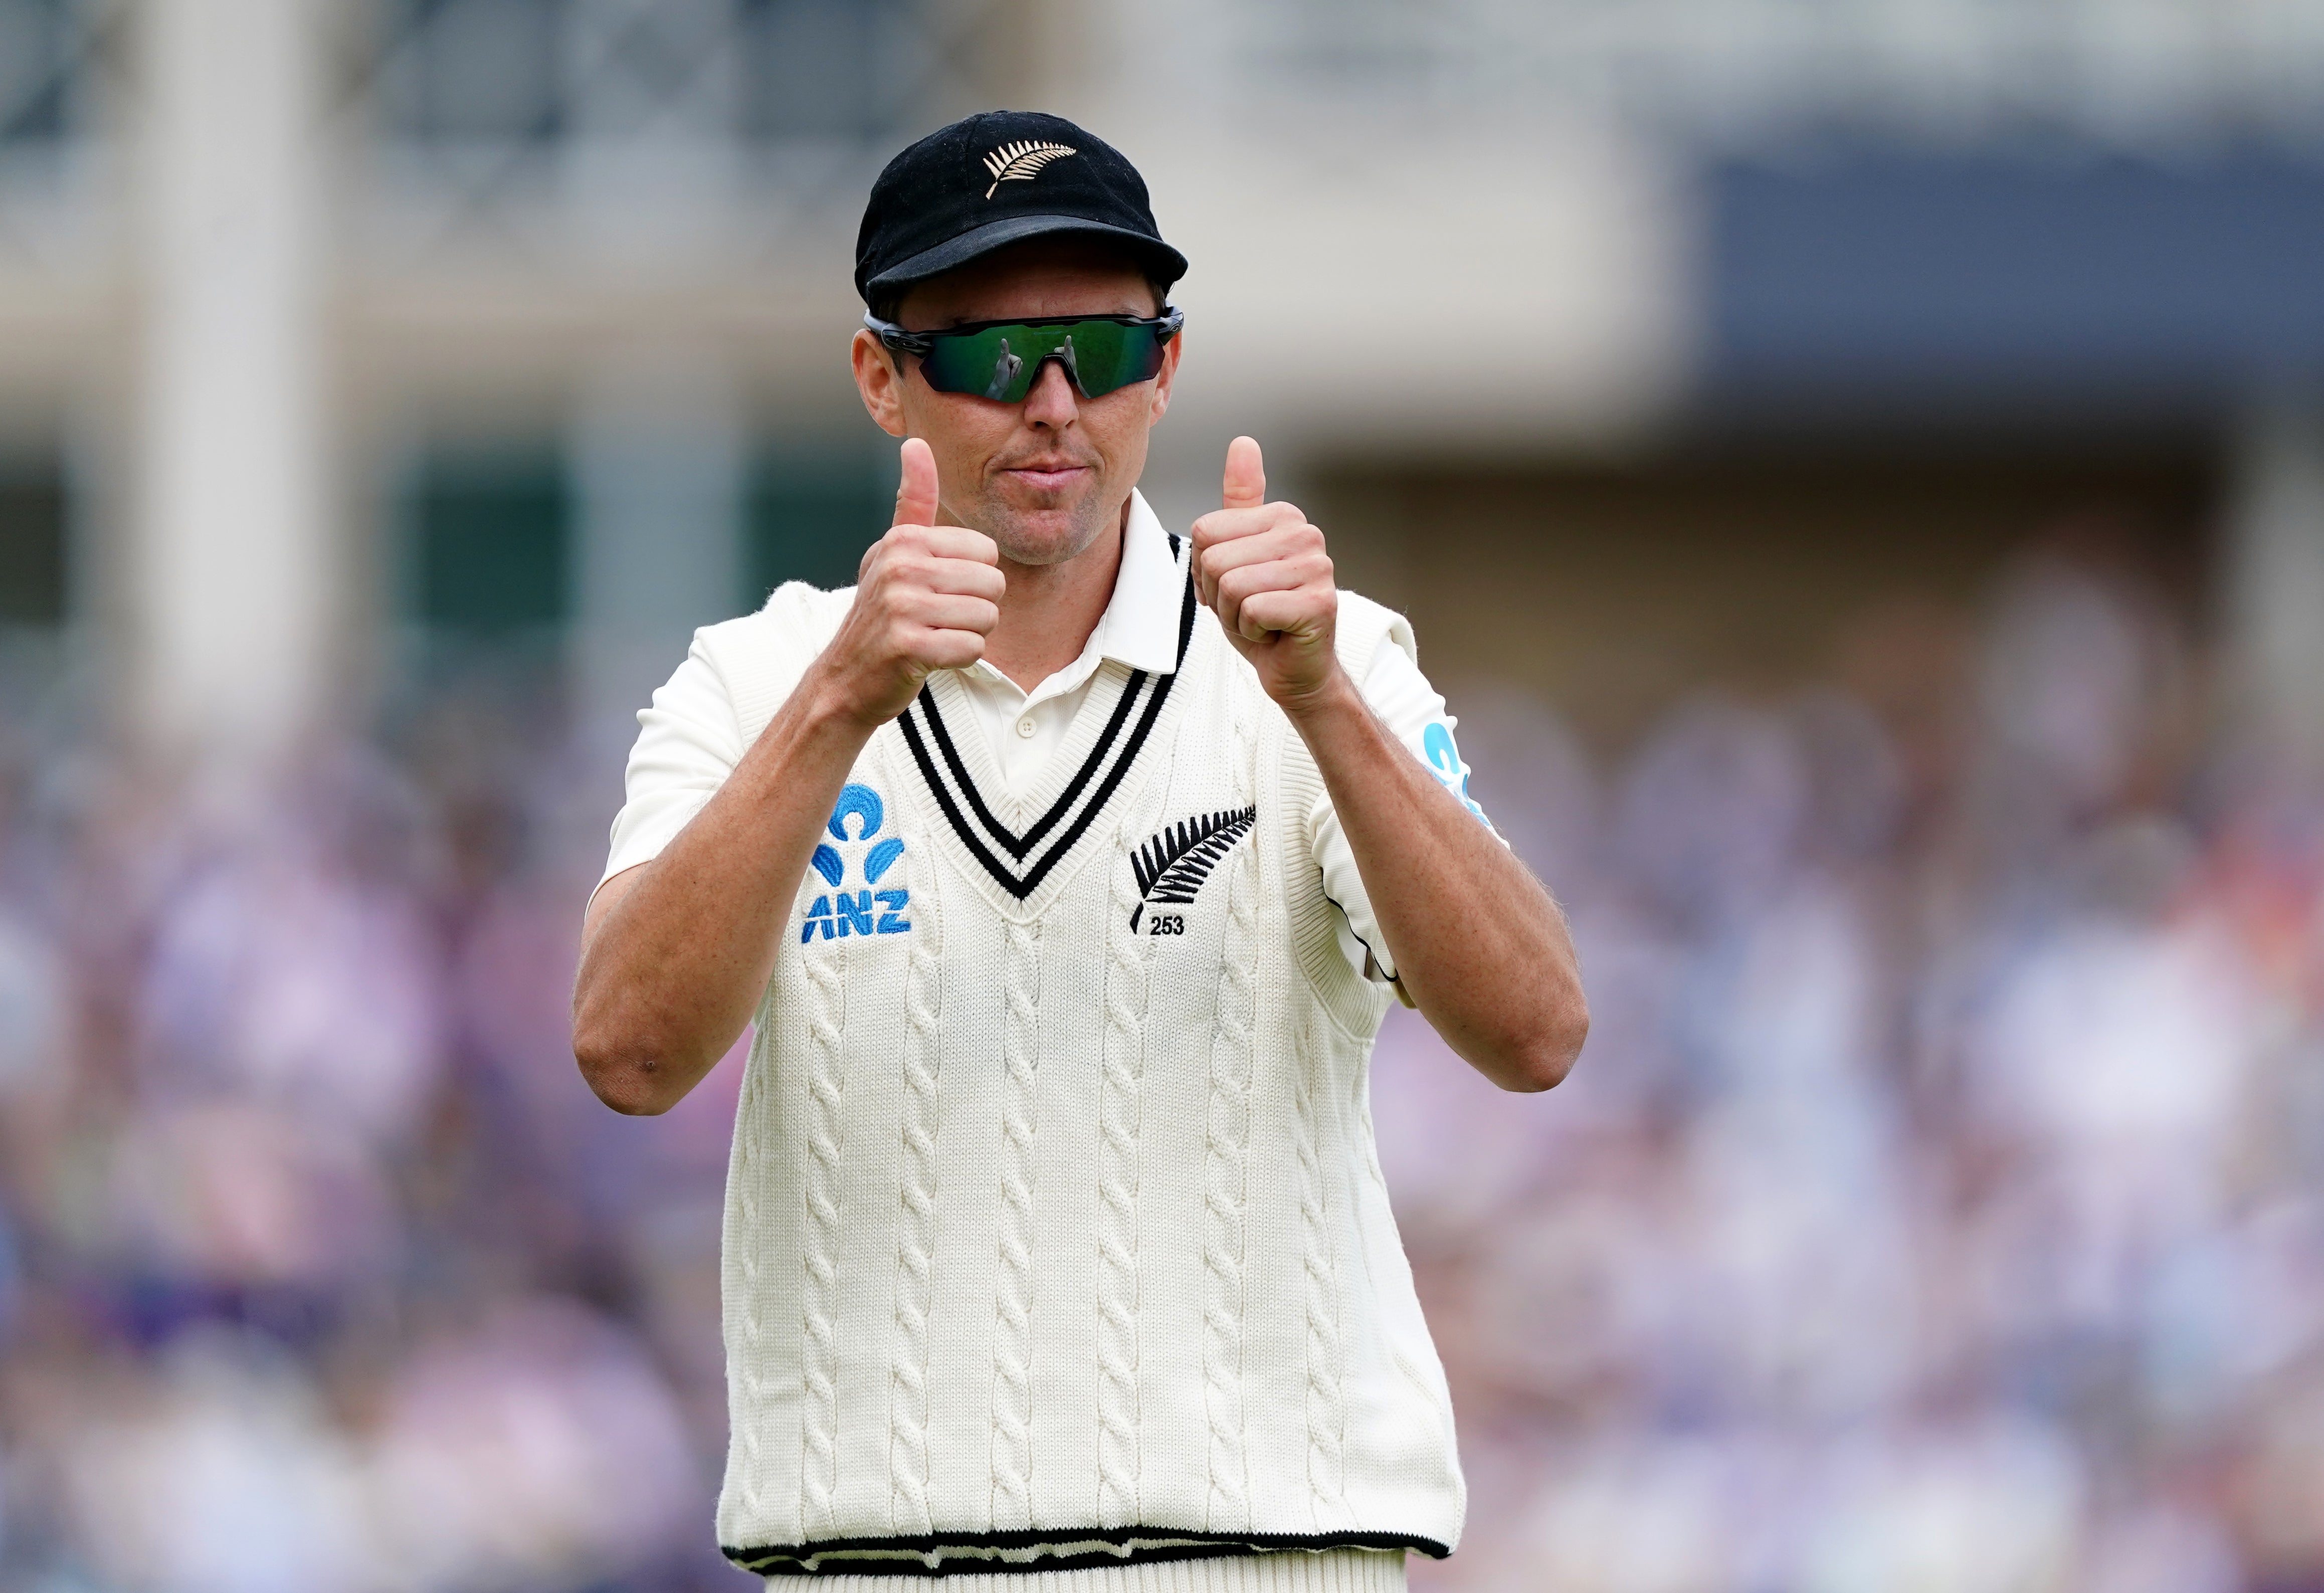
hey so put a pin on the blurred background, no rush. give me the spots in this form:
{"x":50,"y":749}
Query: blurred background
{"x":1856,"y":467}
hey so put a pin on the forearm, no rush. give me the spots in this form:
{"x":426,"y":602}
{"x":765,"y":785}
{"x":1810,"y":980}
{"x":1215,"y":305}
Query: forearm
{"x":674,"y":956}
{"x":1477,"y":943}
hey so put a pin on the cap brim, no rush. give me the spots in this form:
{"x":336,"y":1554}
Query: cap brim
{"x":1152,"y":253}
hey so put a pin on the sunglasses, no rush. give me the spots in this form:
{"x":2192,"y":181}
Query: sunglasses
{"x":1003,"y":359}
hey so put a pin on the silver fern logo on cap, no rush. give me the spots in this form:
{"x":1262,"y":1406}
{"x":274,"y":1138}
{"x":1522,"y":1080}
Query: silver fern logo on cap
{"x":1018,"y":162}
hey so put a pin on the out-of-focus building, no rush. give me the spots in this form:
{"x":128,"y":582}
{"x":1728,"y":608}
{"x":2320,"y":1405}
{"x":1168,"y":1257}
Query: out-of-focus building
{"x":338,"y":331}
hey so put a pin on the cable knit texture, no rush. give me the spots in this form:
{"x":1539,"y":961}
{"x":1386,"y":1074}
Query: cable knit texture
{"x":827,"y":997}
{"x":1119,"y":1107}
{"x":746,"y":1302}
{"x":1054,"y":1240}
{"x":907,"y":1391}
{"x":1228,"y":1148}
{"x":1326,"y":1415}
{"x":1012,"y":1376}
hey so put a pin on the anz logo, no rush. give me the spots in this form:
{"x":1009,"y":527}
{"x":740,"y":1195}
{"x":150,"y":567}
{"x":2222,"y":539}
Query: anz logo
{"x":854,"y":912}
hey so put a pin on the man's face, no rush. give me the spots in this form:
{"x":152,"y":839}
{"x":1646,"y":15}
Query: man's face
{"x":1044,"y":477}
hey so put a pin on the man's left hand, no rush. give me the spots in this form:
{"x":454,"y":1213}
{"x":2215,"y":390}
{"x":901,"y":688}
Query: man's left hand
{"x":1261,"y":568}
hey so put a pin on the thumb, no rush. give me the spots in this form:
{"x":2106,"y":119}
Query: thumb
{"x":916,"y":493}
{"x":1246,"y":478}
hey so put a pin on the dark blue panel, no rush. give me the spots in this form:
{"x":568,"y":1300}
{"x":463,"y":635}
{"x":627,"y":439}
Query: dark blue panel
{"x":32,"y":550}
{"x":492,"y":540}
{"x":812,"y":516}
{"x":1889,"y":276}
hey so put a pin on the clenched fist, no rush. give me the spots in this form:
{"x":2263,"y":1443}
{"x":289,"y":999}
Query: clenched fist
{"x":1262,"y":567}
{"x":926,"y":598}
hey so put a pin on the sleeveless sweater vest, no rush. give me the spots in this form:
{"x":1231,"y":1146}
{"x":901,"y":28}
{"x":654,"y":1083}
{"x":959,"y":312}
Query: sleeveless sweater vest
{"x":1054,"y":1234}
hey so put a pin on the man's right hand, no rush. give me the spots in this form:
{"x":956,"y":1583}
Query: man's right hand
{"x":926,"y":597}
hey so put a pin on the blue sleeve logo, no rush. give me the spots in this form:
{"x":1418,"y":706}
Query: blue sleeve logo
{"x":1444,"y":763}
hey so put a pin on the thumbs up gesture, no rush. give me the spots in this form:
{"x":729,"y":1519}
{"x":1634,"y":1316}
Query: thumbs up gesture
{"x":927,"y":596}
{"x":1261,"y":568}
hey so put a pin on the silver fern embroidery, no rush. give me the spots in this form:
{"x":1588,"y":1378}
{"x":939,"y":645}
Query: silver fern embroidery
{"x":1017,"y":162}
{"x":1171,"y":865}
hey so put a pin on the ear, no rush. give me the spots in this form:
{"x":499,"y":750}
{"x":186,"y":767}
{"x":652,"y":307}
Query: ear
{"x":879,"y":379}
{"x":1165,"y":376}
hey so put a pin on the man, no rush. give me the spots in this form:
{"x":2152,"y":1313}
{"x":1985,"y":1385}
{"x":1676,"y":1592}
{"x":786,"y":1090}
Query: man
{"x":1065,"y":865}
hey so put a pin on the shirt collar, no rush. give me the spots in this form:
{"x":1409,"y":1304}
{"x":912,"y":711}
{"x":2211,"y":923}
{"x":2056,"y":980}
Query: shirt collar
{"x":1139,"y":628}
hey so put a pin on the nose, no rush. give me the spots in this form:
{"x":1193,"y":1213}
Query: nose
{"x":1052,"y":400}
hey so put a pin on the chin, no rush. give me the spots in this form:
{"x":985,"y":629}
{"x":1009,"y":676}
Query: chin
{"x":1045,"y":535}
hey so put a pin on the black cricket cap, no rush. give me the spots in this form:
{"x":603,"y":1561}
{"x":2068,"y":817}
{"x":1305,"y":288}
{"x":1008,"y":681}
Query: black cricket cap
{"x":996,"y":178}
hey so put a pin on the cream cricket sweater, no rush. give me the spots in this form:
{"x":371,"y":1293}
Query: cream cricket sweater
{"x":1054,"y":1234}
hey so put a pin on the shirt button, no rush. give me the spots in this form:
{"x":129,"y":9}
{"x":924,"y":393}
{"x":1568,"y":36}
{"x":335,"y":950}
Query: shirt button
{"x":1025,"y":727}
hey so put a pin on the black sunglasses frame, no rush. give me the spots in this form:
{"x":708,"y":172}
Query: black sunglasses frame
{"x":1164,"y":327}
{"x":1166,"y":324}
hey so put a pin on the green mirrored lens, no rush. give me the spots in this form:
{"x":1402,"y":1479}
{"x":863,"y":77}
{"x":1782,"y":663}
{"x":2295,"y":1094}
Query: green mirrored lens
{"x":1003,"y":362}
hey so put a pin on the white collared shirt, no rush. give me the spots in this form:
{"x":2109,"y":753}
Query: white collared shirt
{"x":689,"y":737}
{"x":1138,"y":631}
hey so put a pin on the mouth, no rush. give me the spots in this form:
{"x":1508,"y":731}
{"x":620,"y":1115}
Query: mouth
{"x":1045,"y":476}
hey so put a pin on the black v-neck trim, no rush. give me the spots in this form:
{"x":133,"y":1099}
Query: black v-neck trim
{"x":1115,"y":762}
{"x":1017,"y":846}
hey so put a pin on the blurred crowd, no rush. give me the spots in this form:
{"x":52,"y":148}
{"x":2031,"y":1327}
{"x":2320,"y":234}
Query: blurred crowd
{"x":1933,"y":1212}
{"x":319,"y":1267}
{"x":1934,"y":1208}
